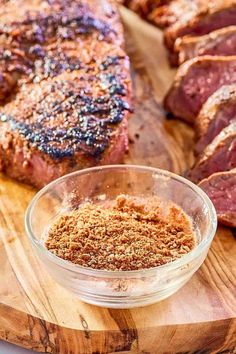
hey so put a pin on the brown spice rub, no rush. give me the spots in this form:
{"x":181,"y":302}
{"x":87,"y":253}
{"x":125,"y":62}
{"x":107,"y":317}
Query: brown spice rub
{"x":129,"y":234}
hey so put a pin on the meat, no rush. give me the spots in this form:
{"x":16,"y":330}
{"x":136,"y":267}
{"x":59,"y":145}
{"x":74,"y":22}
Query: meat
{"x":151,"y":10}
{"x":219,"y":42}
{"x":195,"y":81}
{"x":177,"y":11}
{"x":162,"y":13}
{"x":73,"y":121}
{"x":218,"y":156}
{"x":216,"y":114}
{"x":221,"y":188}
{"x":198,"y":17}
{"x":44,"y":40}
{"x":142,"y":7}
{"x":72,"y":90}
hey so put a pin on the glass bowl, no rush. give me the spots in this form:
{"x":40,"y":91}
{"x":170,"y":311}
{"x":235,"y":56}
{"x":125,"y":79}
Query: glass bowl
{"x":121,"y":289}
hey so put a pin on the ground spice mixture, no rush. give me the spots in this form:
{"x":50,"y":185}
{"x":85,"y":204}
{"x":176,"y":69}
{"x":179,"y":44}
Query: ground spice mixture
{"x":127,"y":234}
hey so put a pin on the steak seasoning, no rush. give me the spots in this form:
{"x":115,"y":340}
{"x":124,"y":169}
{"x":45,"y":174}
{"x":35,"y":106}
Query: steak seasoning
{"x":129,"y":233}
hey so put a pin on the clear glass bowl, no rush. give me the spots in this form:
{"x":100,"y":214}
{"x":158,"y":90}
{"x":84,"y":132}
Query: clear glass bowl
{"x":121,"y":289}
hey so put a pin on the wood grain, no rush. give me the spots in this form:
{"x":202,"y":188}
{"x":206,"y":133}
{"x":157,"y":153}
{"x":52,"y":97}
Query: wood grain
{"x":37,"y":313}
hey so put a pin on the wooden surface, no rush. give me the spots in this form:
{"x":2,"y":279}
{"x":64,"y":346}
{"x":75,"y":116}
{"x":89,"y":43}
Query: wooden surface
{"x":37,"y":313}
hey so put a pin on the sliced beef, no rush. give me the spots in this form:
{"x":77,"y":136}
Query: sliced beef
{"x":216,"y":114}
{"x":177,"y":11}
{"x":199,"y":17}
{"x":151,"y":10}
{"x":220,"y":42}
{"x":221,"y":188}
{"x":195,"y":81}
{"x":142,"y":7}
{"x":218,"y":156}
{"x":72,"y":101}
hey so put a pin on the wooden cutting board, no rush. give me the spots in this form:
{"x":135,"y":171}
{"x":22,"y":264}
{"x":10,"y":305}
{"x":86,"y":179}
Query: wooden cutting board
{"x":37,"y":313}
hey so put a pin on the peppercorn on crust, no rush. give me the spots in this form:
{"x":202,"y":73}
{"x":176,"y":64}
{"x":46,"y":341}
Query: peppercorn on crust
{"x":65,"y":88}
{"x":127,"y":234}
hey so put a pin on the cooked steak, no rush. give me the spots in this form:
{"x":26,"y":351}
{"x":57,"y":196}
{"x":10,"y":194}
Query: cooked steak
{"x":195,"y":81}
{"x":219,"y":42}
{"x":151,"y":10}
{"x":176,"y":11}
{"x":142,"y":7}
{"x":199,"y":17}
{"x":48,"y":38}
{"x":74,"y":121}
{"x":216,"y":114}
{"x":218,"y":156}
{"x":64,"y":117}
{"x":221,"y":188}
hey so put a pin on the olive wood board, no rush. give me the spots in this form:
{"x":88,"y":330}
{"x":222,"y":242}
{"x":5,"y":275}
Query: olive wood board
{"x":37,"y":313}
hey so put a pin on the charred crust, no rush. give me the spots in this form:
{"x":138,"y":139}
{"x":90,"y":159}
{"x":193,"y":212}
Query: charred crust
{"x":90,"y":132}
{"x":62,"y":24}
{"x":82,"y":102}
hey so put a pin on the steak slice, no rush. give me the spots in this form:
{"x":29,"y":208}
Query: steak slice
{"x":195,"y":81}
{"x":219,"y":42}
{"x":218,"y":156}
{"x":199,"y":17}
{"x":176,"y":11}
{"x":221,"y":188}
{"x":48,"y":38}
{"x":151,"y":10}
{"x":216,"y":114}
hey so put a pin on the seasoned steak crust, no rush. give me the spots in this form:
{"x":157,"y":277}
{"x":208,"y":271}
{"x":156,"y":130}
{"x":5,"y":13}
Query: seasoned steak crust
{"x":43,"y":44}
{"x":67,"y":114}
{"x":216,"y":114}
{"x":72,"y":87}
{"x":221,"y":188}
{"x":195,"y":81}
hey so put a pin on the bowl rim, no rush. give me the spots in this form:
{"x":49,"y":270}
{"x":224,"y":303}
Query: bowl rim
{"x":180,"y":262}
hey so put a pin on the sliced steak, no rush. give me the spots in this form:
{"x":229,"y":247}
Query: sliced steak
{"x":199,"y":17}
{"x":219,"y":42}
{"x":218,"y":156}
{"x":177,"y":11}
{"x":142,"y":7}
{"x":216,"y":114}
{"x":221,"y":188}
{"x":195,"y":81}
{"x":151,"y":10}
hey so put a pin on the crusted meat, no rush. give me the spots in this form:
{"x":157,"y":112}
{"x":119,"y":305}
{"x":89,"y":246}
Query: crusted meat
{"x":216,"y":114}
{"x":195,"y":81}
{"x":46,"y":39}
{"x":198,"y":17}
{"x":73,"y":121}
{"x":219,"y":42}
{"x":221,"y":188}
{"x":72,"y":96}
{"x":218,"y":156}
